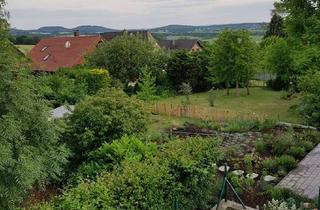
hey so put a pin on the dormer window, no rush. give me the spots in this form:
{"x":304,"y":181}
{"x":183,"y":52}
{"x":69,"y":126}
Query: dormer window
{"x":67,"y":45}
{"x":46,"y":57}
{"x":44,"y":48}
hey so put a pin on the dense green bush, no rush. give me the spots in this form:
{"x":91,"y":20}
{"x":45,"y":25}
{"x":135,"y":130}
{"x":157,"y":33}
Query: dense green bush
{"x":31,"y":153}
{"x":191,"y":163}
{"x":291,"y":143}
{"x":287,"y":162}
{"x":72,"y":85}
{"x":125,"y":56}
{"x":98,"y":119}
{"x":278,"y":61}
{"x":181,"y":171}
{"x":287,"y":195}
{"x":109,"y":156}
{"x":310,"y":106}
{"x":278,"y":164}
{"x":191,"y":68}
{"x":297,"y":152}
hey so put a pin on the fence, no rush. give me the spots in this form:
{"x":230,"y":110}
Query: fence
{"x":204,"y":113}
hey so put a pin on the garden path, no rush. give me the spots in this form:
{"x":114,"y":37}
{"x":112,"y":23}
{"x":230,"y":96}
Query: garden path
{"x":305,"y":179}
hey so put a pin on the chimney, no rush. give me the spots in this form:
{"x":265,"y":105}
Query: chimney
{"x":76,"y":33}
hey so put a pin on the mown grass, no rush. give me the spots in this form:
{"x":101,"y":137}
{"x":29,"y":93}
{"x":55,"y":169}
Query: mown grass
{"x":261,"y":102}
{"x":25,"y":48}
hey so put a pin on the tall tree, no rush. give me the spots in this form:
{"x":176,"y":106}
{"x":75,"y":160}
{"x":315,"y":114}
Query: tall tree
{"x":30,"y":151}
{"x":233,"y":59}
{"x":125,"y":56}
{"x":147,"y":87}
{"x":276,"y":26}
{"x":278,"y":60}
{"x":302,"y":20}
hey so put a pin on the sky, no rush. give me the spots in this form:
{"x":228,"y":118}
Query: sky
{"x":135,"y":14}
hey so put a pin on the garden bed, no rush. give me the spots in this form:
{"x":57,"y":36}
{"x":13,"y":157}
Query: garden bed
{"x":266,"y":151}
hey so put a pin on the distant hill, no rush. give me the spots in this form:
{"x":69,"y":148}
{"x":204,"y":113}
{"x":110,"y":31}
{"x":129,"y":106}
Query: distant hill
{"x":206,"y":32}
{"x":165,"y":32}
{"x":209,"y":28}
{"x":59,"y":30}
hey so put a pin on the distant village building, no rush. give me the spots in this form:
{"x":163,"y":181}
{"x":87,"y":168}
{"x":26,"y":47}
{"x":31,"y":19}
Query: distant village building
{"x":53,"y":53}
{"x":146,"y":35}
{"x":191,"y":45}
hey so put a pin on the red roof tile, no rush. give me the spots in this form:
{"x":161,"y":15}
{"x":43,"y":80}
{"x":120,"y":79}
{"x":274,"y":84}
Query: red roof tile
{"x":50,"y":54}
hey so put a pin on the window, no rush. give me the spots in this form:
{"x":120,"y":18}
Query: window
{"x":46,"y":57}
{"x":67,"y":45}
{"x":44,"y":48}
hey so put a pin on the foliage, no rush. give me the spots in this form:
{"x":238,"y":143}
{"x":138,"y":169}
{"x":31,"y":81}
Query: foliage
{"x":310,"y":106}
{"x":181,"y":171}
{"x":277,"y":205}
{"x":278,"y":164}
{"x":72,"y":85}
{"x":125,"y":56}
{"x":147,"y":88}
{"x":212,"y":97}
{"x":191,"y":162}
{"x":186,"y":91}
{"x":282,"y":144}
{"x":110,"y":156}
{"x":102,"y":118}
{"x":240,"y":125}
{"x":248,"y":162}
{"x":186,"y":67}
{"x":286,"y":195}
{"x":233,"y":59}
{"x":24,"y":40}
{"x":297,"y":152}
{"x":302,"y":20}
{"x":276,"y":26}
{"x":30,"y":151}
{"x":241,"y":183}
{"x":278,"y":60}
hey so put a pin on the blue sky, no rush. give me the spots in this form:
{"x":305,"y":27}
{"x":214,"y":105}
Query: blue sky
{"x":120,"y":14}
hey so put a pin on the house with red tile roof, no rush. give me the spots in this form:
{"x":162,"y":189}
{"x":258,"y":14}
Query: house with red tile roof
{"x":53,"y":53}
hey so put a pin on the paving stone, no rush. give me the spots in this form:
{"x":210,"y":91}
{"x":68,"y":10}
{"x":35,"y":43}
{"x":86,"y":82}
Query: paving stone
{"x":305,"y":179}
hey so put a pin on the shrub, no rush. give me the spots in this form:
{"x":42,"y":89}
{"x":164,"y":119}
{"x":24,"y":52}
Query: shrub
{"x":109,"y":156}
{"x":310,"y":106}
{"x":99,"y":119}
{"x":262,"y":147}
{"x":125,"y":56}
{"x":310,"y":136}
{"x":282,"y":143}
{"x":211,"y":97}
{"x":147,"y":87}
{"x":287,"y":195}
{"x":72,"y":85}
{"x":191,"y":162}
{"x":240,"y":125}
{"x":186,"y":91}
{"x":182,"y":170}
{"x":297,"y":152}
{"x":271,"y":165}
{"x":287,"y":163}
{"x":307,"y":145}
{"x":277,"y":205}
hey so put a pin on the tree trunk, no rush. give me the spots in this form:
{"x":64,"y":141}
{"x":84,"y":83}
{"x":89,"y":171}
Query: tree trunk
{"x":237,"y":87}
{"x":248,"y":89}
{"x":228,"y":88}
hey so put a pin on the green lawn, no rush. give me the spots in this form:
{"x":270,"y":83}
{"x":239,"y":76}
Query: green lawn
{"x":261,"y":101}
{"x":25,"y":48}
